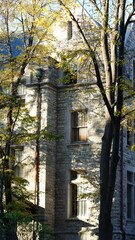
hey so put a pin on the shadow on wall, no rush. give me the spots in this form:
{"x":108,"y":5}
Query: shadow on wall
{"x":83,"y":231}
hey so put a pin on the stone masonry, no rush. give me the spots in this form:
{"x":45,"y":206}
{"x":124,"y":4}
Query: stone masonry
{"x":58,"y":158}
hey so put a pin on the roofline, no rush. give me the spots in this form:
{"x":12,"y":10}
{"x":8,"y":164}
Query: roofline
{"x":94,"y":21}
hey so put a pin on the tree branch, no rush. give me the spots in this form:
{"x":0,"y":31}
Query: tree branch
{"x":129,"y":20}
{"x":95,"y":62}
{"x":96,"y":7}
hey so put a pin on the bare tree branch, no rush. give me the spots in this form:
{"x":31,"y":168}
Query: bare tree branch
{"x":95,"y":62}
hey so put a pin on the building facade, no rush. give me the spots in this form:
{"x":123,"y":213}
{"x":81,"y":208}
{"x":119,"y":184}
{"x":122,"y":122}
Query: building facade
{"x":74,"y":112}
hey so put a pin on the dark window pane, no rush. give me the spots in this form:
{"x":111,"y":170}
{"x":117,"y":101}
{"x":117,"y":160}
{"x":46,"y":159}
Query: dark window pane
{"x":69,"y":30}
{"x":133,"y":74}
{"x":129,"y":176}
{"x":74,"y":200}
{"x":73,"y":175}
{"x":129,"y":132}
{"x":129,"y":201}
{"x":75,"y":134}
{"x":133,"y":210}
{"x":75,"y":119}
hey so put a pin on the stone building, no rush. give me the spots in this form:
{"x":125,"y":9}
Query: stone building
{"x":74,"y":111}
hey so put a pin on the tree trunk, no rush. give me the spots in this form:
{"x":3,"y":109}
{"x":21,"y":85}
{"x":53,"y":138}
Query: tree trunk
{"x":104,"y":220}
{"x":10,"y":224}
{"x":108,"y":177}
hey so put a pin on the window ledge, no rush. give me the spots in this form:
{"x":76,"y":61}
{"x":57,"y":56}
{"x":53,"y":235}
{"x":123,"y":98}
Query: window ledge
{"x":78,"y":143}
{"x":77,"y":219}
{"x":130,"y":220}
{"x":73,"y":219}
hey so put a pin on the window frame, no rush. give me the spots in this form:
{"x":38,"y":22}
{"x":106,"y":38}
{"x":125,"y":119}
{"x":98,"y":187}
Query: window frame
{"x":77,"y":129}
{"x":18,"y":162}
{"x":133,"y":73}
{"x":130,"y":203}
{"x":130,"y":132}
{"x":21,"y":89}
{"x":78,"y":208}
{"x":69,"y":30}
{"x":19,"y":156}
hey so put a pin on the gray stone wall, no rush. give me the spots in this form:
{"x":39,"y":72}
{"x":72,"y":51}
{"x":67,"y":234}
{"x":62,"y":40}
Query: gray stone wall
{"x":57,"y":158}
{"x":50,"y":93}
{"x":128,"y":154}
{"x":76,"y":156}
{"x":47,"y":148}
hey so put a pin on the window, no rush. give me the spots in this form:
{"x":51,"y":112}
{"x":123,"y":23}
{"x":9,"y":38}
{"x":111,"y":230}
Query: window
{"x":21,"y":90}
{"x":78,"y":207}
{"x":69,"y":30}
{"x":131,"y":195}
{"x":130,"y":132}
{"x":133,"y":80}
{"x":18,"y":153}
{"x":79,"y":126}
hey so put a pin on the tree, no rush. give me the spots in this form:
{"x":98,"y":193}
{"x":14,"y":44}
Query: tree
{"x":24,"y":26}
{"x":114,"y":18}
{"x":30,"y":22}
